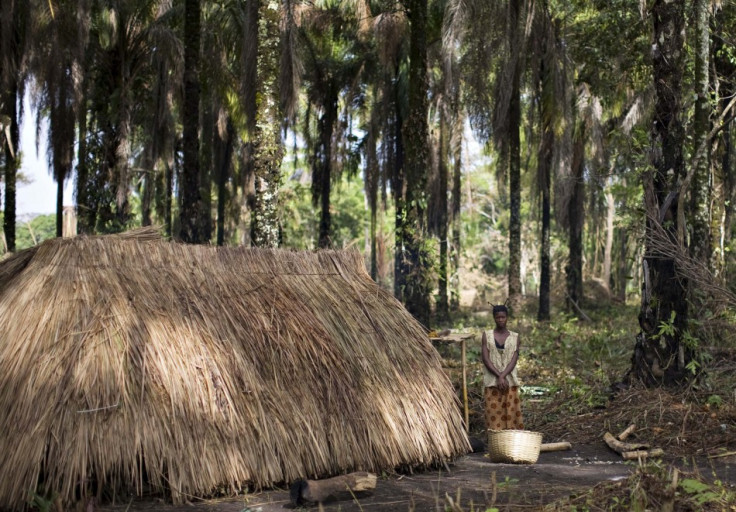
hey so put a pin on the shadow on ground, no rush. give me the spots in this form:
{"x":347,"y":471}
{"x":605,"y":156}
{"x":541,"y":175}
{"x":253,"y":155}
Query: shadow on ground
{"x":473,"y":482}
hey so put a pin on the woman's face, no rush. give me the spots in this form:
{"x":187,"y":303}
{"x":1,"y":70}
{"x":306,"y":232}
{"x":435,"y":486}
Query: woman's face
{"x":500,"y":319}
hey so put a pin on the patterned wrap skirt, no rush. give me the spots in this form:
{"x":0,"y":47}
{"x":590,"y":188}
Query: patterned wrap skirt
{"x":503,"y":409}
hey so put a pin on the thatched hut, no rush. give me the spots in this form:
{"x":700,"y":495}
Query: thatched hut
{"x":127,"y":359}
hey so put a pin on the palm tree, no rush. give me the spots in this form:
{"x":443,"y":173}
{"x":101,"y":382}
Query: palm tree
{"x":124,"y":36}
{"x":334,"y":60}
{"x":448,"y":119}
{"x":15,"y":18}
{"x":61,"y":38}
{"x":158,"y":128}
{"x":417,"y":263}
{"x":388,"y":111}
{"x":508,"y":123}
{"x":494,"y":37}
{"x":549,"y":76}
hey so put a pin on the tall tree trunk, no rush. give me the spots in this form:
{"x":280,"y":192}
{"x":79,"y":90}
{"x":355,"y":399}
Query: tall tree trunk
{"x":61,"y":126}
{"x":85,"y":211}
{"x":191,"y":200}
{"x":12,"y":161}
{"x":575,"y":214}
{"x":169,"y":170}
{"x":322,"y":185}
{"x":122,"y":146}
{"x":514,"y":156}
{"x":729,"y":191}
{"x":456,"y":223}
{"x":206,"y":174}
{"x":267,"y":145}
{"x":398,"y":185}
{"x":725,"y":79}
{"x":14,"y":25}
{"x":372,"y":170}
{"x":622,"y":271}
{"x":443,"y":306}
{"x":416,"y":265}
{"x":148,"y":186}
{"x":607,"y":253}
{"x":659,"y":355}
{"x":700,"y":243}
{"x":222,"y":177}
{"x":544,"y":178}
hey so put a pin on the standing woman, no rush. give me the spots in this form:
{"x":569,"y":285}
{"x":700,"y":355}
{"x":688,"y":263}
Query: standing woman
{"x":502,"y":403}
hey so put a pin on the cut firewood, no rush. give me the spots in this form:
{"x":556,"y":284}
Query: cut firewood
{"x":331,"y":489}
{"x":626,"y":433}
{"x":619,"y":447}
{"x":642,"y":454}
{"x":555,"y":447}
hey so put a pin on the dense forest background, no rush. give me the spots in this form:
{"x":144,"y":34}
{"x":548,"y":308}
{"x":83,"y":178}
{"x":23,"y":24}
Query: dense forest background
{"x":544,"y":151}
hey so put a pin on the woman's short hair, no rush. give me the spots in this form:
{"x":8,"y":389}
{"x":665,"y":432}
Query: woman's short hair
{"x":500,"y":308}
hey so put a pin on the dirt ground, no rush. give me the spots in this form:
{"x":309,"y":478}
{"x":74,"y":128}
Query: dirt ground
{"x":473,"y":482}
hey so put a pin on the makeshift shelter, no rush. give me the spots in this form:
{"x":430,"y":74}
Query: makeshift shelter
{"x":126,"y":360}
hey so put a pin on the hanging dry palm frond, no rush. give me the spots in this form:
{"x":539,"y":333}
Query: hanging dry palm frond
{"x":661,"y":244}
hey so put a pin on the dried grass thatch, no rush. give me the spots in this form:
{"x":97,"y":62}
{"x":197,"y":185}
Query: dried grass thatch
{"x":124,"y":360}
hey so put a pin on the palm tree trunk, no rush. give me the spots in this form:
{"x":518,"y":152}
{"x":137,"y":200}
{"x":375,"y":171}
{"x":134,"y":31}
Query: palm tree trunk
{"x":574,"y":270}
{"x":169,"y":169}
{"x":267,"y":146}
{"x":544,"y":178}
{"x":659,"y":356}
{"x":622,"y":271}
{"x":456,"y":223}
{"x":607,"y":253}
{"x":324,"y":161}
{"x":207,"y":141}
{"x":398,"y":185}
{"x":514,"y":148}
{"x":372,"y":171}
{"x":415,"y":266}
{"x":11,"y":167}
{"x":725,"y":67}
{"x":190,"y":187}
{"x":85,"y":212}
{"x":222,"y":177}
{"x":443,"y":306}
{"x":147,"y":188}
{"x":59,"y":208}
{"x":700,"y":242}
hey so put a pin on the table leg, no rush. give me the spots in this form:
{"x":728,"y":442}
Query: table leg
{"x":465,"y":389}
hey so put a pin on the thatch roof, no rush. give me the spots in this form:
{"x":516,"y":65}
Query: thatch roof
{"x":124,"y":360}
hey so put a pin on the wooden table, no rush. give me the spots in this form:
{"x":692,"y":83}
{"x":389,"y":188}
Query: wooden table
{"x":461,"y":338}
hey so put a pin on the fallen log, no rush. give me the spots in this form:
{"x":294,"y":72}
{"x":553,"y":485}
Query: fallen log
{"x":555,"y":447}
{"x":626,"y":433}
{"x":331,"y":489}
{"x":621,"y":447}
{"x":642,"y":454}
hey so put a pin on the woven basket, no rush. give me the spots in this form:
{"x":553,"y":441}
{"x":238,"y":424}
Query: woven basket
{"x":515,"y":446}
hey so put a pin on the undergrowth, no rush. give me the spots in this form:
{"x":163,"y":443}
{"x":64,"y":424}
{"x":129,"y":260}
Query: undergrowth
{"x":653,"y":487}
